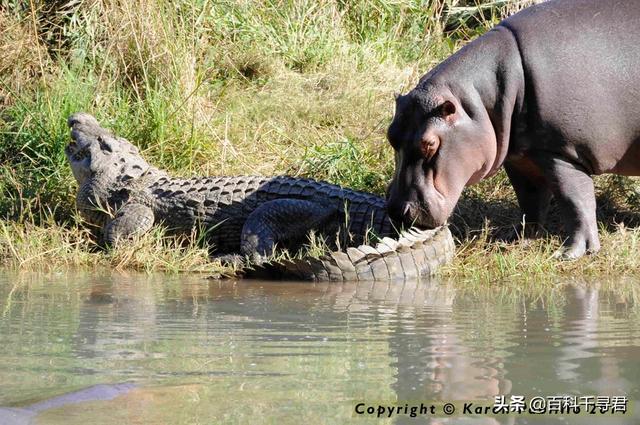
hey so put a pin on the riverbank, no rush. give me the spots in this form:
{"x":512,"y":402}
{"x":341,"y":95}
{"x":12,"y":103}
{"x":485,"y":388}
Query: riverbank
{"x":209,"y":88}
{"x":53,"y":247}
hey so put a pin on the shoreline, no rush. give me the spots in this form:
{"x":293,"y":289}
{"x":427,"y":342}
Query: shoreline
{"x":478,"y":259}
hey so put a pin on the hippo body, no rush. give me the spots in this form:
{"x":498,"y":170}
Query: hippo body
{"x":552,"y":93}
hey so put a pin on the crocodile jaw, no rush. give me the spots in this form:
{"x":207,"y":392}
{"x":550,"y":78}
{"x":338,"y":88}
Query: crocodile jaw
{"x":94,"y":150}
{"x":79,"y":161}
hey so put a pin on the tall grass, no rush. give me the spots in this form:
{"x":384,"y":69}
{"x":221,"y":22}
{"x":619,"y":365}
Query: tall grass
{"x":227,"y":87}
{"x":212,"y":86}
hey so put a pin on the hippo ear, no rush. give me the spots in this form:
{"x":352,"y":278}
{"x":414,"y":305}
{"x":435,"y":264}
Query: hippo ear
{"x":448,"y":111}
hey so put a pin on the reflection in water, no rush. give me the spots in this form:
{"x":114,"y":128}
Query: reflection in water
{"x":435,"y":361}
{"x":25,"y":415}
{"x":204,"y":351}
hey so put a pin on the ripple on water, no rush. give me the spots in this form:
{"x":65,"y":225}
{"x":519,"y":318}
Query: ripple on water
{"x":306,"y":349}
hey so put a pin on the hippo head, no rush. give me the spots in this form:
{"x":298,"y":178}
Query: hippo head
{"x":92,"y":150}
{"x":441,"y":145}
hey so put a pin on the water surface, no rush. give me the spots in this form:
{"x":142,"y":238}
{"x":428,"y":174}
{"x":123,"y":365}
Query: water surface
{"x":193,"y":351}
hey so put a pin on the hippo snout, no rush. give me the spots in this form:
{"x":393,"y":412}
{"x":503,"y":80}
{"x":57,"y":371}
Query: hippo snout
{"x":412,"y":214}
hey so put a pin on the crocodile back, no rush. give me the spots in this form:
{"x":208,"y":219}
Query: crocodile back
{"x":222,"y":205}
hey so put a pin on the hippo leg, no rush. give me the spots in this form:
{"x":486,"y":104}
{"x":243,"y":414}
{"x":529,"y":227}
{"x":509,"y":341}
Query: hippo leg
{"x":533,"y":196}
{"x":573,"y":190}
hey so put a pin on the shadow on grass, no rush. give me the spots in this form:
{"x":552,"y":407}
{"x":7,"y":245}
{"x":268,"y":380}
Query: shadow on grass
{"x":475,"y":214}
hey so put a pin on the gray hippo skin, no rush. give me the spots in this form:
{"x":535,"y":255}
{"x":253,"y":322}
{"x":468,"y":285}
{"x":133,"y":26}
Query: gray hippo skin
{"x":123,"y":195}
{"x":552,"y":93}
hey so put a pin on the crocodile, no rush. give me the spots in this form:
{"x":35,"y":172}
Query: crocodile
{"x":247,"y":217}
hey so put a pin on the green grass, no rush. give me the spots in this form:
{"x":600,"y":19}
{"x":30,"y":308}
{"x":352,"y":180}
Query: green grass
{"x":242,"y":87}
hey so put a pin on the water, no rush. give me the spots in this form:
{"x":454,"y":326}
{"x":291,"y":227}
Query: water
{"x":185,"y":350}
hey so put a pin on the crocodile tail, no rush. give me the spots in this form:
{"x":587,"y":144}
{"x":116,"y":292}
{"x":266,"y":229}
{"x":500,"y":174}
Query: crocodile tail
{"x":414,"y":254}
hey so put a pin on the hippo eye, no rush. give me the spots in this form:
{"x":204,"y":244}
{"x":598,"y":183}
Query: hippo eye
{"x":429,"y":147}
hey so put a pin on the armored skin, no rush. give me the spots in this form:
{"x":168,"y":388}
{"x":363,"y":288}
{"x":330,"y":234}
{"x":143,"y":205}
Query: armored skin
{"x":248,"y":215}
{"x":552,"y":93}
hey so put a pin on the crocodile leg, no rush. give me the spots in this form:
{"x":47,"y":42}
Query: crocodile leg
{"x":285,"y":222}
{"x":130,"y":220}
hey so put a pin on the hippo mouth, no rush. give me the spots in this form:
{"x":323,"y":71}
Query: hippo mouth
{"x":414,"y":215}
{"x":421,"y":218}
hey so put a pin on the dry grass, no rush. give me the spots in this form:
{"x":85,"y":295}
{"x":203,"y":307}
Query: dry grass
{"x":480,"y":259}
{"x":51,"y":247}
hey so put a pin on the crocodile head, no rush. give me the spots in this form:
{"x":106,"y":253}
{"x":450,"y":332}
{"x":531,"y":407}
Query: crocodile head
{"x":95,"y":151}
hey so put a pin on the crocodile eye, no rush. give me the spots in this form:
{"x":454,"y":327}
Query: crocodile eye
{"x":429,"y":147}
{"x":105,"y":146}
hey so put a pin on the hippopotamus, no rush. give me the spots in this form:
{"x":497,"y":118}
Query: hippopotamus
{"x":551,"y":93}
